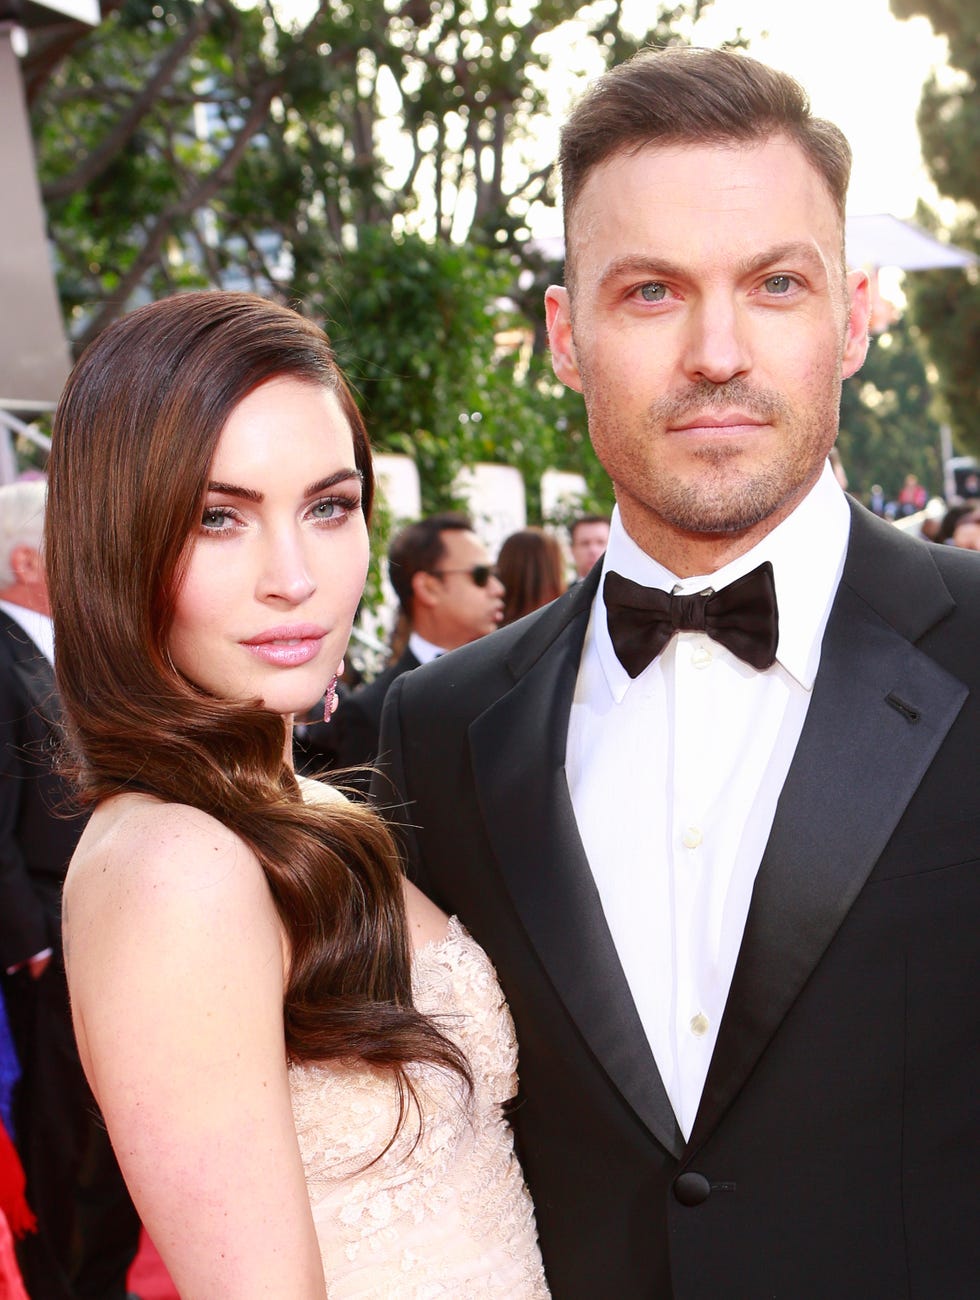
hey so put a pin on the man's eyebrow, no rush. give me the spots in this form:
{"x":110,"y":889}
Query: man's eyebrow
{"x":637,"y":266}
{"x":250,"y":494}
{"x":641,"y":266}
{"x":795,"y":250}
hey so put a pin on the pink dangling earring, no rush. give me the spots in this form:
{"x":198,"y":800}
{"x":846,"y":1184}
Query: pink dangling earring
{"x":330,"y":699}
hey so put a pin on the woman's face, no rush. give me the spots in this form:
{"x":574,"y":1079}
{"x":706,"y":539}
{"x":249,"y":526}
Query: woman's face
{"x":276,"y":568}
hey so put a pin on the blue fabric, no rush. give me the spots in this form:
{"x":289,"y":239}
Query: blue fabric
{"x":9,"y":1067}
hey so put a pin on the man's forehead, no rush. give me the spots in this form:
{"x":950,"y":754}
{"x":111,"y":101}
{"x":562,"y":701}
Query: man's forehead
{"x":461,"y":541}
{"x":724,"y":176}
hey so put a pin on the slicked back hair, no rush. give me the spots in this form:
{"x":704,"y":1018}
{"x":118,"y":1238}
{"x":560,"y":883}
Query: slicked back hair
{"x":687,"y":96}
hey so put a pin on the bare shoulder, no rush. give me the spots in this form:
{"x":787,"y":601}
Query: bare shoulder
{"x":166,"y":868}
{"x":134,"y":841}
{"x":426,"y":922}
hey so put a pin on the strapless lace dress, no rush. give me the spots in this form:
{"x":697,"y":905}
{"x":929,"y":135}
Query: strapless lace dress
{"x":443,"y":1212}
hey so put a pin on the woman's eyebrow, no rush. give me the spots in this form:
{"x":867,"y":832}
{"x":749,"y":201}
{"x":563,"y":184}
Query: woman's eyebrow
{"x":250,"y":494}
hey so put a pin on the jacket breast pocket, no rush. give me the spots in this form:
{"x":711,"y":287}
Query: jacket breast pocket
{"x":942,"y":846}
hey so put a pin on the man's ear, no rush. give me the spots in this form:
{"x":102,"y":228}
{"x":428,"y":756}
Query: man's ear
{"x":27,"y":566}
{"x":426,"y":589}
{"x":559,"y":318}
{"x":858,"y":320}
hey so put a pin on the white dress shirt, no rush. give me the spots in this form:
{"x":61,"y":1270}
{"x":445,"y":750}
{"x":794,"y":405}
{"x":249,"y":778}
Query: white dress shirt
{"x":424,"y":651}
{"x":674,"y":778}
{"x":38,"y":627}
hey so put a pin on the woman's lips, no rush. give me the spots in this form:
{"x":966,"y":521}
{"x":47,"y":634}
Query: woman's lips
{"x":287,"y":647}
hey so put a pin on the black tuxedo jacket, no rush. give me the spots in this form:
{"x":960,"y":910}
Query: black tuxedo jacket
{"x":836,"y":1152}
{"x":356,"y":726}
{"x":37,"y":839}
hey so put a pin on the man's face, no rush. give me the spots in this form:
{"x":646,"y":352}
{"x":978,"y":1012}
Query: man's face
{"x":589,"y":541}
{"x":710,"y":328}
{"x":461,"y":610}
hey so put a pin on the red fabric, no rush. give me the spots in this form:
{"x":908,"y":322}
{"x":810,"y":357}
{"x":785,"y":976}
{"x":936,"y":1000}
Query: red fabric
{"x":13,"y":1203}
{"x":11,"y":1283}
{"x":148,"y":1277}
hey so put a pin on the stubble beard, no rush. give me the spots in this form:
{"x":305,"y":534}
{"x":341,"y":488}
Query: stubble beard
{"x":729,"y":497}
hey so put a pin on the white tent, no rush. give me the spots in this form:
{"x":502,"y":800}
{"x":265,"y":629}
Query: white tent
{"x":872,"y":241}
{"x":883,"y":240}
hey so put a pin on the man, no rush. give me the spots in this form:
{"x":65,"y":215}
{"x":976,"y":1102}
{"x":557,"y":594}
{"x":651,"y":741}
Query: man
{"x":87,"y":1228}
{"x":590,"y":536}
{"x":731,"y":894}
{"x":448,"y":595}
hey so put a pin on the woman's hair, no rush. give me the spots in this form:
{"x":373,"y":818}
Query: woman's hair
{"x":134,"y":436}
{"x":531,"y":565}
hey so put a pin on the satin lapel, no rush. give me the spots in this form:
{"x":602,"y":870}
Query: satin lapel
{"x":858,"y":763}
{"x":518,"y":752}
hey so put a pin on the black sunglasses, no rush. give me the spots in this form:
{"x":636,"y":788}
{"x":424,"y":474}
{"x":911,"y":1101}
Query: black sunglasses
{"x":480,"y":573}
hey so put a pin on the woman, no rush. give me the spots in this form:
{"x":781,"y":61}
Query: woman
{"x":531,"y":565}
{"x":300,"y":1061}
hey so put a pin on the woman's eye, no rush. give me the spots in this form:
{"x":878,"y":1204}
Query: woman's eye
{"x":333,"y":509}
{"x":778,"y":284}
{"x":215,"y":519}
{"x":653,"y":292}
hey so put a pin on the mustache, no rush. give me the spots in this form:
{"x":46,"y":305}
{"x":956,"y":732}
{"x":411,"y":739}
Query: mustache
{"x":704,"y":396}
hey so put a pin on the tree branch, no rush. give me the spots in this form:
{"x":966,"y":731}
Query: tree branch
{"x":113,"y":305}
{"x":109,"y":147}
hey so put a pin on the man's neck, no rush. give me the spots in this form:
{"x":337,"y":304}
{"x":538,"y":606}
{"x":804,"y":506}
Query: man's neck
{"x":26,"y":596}
{"x":687,"y":554}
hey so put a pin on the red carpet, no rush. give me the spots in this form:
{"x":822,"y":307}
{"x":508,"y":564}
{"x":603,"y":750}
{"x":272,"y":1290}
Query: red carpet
{"x":148,"y":1278}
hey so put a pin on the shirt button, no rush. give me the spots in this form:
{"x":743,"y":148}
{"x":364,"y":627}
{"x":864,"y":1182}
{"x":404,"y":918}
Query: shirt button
{"x":691,"y":838}
{"x":699,"y":1025}
{"x":701,"y":656}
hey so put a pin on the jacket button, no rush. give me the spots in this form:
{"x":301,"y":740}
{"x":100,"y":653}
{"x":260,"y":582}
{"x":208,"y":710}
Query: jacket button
{"x":692,"y":1189}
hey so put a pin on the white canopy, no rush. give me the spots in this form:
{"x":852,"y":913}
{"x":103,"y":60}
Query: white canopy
{"x":883,"y":240}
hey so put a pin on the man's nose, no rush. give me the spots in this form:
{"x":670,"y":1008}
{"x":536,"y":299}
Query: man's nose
{"x":716,"y":347}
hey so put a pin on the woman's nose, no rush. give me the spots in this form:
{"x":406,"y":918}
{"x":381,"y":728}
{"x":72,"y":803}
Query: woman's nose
{"x":286,"y":571}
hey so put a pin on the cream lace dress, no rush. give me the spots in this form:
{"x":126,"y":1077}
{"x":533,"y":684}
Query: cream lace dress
{"x":444,"y":1211}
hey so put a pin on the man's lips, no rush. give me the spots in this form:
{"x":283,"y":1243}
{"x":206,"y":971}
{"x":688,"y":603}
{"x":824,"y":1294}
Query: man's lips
{"x":287,"y":646}
{"x":734,"y":420}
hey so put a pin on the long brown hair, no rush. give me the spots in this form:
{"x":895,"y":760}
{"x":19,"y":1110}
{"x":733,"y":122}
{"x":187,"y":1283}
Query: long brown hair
{"x":531,"y":565}
{"x":134,"y":436}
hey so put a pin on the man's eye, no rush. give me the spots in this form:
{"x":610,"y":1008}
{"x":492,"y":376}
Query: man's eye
{"x":778,"y":284}
{"x":653,"y":292}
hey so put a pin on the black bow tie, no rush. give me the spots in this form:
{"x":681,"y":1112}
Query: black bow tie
{"x":742,"y":616}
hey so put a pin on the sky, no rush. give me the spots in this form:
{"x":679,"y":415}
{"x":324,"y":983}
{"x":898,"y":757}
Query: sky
{"x":864,"y":70}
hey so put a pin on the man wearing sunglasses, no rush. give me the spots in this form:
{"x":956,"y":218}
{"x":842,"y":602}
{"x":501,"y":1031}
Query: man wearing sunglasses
{"x":448,"y":595}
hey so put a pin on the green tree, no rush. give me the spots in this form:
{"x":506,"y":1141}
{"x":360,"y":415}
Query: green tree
{"x":185,"y":142}
{"x":371,"y":162}
{"x":888,"y":426}
{"x":444,"y":365}
{"x":946,"y":304}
